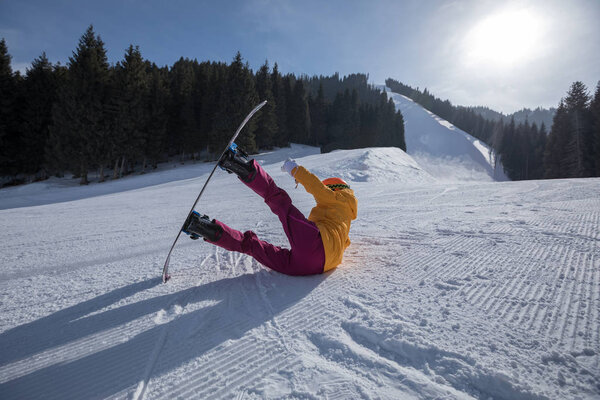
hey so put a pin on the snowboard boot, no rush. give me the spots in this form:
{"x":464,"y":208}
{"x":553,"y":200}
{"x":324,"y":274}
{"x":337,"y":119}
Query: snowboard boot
{"x":235,"y":160}
{"x":196,"y":226}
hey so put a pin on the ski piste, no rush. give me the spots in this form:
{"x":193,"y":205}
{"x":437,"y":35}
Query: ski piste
{"x":165,"y":273}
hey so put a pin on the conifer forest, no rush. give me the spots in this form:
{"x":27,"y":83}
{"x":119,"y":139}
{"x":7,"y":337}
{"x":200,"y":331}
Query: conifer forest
{"x":90,"y":116}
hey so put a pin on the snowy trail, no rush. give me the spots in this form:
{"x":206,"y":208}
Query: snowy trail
{"x":458,"y":290}
{"x":443,"y":150}
{"x":449,"y":290}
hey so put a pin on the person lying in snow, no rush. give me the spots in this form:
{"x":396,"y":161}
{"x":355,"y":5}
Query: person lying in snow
{"x":317,"y":242}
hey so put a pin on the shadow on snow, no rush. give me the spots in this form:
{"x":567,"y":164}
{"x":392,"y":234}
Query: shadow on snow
{"x":233,"y":306}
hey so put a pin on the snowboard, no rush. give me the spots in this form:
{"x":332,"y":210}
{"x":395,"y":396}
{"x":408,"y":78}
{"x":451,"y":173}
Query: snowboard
{"x":165,"y":272}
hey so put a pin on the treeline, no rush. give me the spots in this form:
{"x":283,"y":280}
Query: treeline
{"x":93,"y":116}
{"x":520,"y":148}
{"x":527,"y":151}
{"x":539,"y":115}
{"x":570,"y":150}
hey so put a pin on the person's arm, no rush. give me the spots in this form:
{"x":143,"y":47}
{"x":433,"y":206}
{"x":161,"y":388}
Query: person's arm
{"x":310,"y":181}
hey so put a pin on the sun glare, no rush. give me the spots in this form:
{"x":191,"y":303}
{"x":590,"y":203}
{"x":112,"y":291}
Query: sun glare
{"x":503,"y":40}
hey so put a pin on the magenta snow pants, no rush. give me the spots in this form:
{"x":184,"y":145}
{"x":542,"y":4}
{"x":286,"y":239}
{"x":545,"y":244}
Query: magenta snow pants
{"x":307,"y":255}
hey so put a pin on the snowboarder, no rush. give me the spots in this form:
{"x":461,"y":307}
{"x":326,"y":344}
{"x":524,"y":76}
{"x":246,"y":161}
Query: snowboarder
{"x":317,"y":243}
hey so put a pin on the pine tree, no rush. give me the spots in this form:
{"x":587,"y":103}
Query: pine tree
{"x":183,"y":130}
{"x":279,"y":95}
{"x":298,"y":114}
{"x":540,"y":147}
{"x":217,"y":94}
{"x":335,"y":123}
{"x":382,"y":122}
{"x":55,"y":157}
{"x":79,"y":117}
{"x":559,"y":137}
{"x":523,"y":157}
{"x":398,"y":138}
{"x":394,"y":134}
{"x":267,"y":119}
{"x":40,"y":88}
{"x":595,"y":117}
{"x":203,"y":97}
{"x":506,"y":151}
{"x":157,"y":105}
{"x":8,"y":135}
{"x":132,"y":80}
{"x":496,"y":139}
{"x":347,"y":118}
{"x":318,"y":117}
{"x":238,"y":99}
{"x":578,"y":155}
{"x":368,"y":126}
{"x":113,"y":123}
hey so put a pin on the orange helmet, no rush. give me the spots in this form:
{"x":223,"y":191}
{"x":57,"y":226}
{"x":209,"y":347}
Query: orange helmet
{"x":336,"y":184}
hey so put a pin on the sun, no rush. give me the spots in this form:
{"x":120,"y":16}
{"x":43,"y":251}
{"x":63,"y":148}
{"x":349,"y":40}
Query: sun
{"x":504,"y":39}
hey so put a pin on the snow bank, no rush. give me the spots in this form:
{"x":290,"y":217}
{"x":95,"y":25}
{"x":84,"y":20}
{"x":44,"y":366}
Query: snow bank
{"x":56,"y":190}
{"x":448,"y":290}
{"x":360,"y":165}
{"x":383,"y":164}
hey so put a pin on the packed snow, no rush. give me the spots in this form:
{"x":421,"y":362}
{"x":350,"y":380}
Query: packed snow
{"x":442,"y":149}
{"x":451,"y":289}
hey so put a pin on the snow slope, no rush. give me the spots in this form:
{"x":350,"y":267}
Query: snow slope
{"x":442,"y":149}
{"x":56,"y":190}
{"x":449,"y":290}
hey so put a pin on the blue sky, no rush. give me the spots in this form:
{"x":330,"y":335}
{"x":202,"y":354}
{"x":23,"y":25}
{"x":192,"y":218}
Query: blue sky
{"x":460,"y":50}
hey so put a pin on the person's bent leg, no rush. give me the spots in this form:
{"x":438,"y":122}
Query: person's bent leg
{"x":307,"y":253}
{"x":262,"y":183}
{"x":277,"y":199}
{"x":273,"y":257}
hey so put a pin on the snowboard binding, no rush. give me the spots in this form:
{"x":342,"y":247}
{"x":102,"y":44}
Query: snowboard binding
{"x":235,"y":161}
{"x":197,"y":226}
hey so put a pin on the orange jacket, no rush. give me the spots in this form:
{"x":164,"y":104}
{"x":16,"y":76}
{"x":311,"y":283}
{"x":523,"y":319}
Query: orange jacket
{"x":332,"y":215}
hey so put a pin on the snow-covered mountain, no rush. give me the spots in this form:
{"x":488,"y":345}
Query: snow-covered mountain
{"x":452,"y":290}
{"x":443,"y":150}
